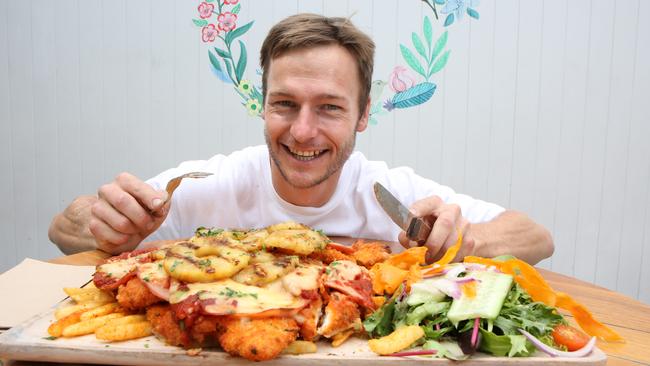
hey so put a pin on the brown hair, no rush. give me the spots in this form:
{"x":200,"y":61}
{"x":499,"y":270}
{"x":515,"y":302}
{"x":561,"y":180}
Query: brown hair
{"x":310,"y":30}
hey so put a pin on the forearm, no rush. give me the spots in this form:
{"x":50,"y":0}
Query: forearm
{"x":69,"y":229}
{"x":512,"y":233}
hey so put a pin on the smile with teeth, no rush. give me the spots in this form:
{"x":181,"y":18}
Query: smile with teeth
{"x":305,"y":155}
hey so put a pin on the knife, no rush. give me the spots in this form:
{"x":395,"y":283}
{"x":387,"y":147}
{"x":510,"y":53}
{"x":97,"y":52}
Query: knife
{"x":415,"y":227}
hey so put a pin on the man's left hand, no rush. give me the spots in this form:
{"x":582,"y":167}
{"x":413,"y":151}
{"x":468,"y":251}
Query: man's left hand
{"x":447,"y":221}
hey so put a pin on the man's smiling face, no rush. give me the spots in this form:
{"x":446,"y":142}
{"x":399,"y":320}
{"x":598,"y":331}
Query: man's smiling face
{"x":312,"y":116}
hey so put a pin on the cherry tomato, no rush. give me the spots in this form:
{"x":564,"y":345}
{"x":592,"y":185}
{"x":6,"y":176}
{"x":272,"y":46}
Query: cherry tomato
{"x":570,"y":337}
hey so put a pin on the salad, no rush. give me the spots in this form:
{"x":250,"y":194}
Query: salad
{"x":500,"y":306}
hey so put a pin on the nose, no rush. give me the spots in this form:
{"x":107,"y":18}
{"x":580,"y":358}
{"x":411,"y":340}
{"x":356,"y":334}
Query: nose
{"x":305,"y":126}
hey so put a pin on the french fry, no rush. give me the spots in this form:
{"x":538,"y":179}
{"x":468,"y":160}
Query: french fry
{"x":62,"y":312}
{"x":129,"y":319}
{"x":123,"y":332}
{"x":400,"y":339}
{"x":83,"y":295}
{"x":88,"y":326}
{"x":56,"y":329}
{"x":102,"y":310}
{"x":300,"y":347}
{"x":339,"y":338}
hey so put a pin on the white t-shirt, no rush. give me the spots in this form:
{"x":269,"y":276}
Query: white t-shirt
{"x":240,"y":194}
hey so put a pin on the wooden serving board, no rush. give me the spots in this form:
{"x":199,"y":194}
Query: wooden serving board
{"x":29,"y":342}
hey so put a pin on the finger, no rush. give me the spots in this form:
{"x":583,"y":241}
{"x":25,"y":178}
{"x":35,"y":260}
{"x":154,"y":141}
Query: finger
{"x":405,"y":241}
{"x":426,"y":206}
{"x":105,"y":235}
{"x":443,"y":227}
{"x":103,"y":211}
{"x":127,"y":205}
{"x":142,"y":192}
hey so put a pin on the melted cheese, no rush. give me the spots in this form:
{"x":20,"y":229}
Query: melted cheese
{"x":230,"y":297}
{"x":304,"y":278}
{"x":120,"y":268}
{"x":153,"y":273}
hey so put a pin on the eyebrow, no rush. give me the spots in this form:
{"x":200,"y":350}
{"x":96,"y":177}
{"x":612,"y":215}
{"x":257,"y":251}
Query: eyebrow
{"x":321,"y":96}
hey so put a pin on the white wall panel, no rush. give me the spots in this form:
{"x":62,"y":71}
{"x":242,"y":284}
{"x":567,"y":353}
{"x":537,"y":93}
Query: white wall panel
{"x":7,"y":221}
{"x":594,"y":137}
{"x":21,"y":112}
{"x":541,"y":108}
{"x":46,"y":136}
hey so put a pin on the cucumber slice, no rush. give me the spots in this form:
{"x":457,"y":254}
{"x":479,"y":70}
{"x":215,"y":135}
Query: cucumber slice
{"x":491,"y":291}
{"x":424,"y":291}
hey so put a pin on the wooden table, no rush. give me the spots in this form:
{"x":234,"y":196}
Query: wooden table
{"x":628,"y":317}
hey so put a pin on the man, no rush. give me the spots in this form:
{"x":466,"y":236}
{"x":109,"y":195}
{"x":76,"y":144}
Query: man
{"x":317,"y":73}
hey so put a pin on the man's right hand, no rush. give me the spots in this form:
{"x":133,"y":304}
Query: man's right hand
{"x":127,"y":211}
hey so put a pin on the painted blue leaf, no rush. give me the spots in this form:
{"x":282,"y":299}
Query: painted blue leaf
{"x":413,"y":96}
{"x":241,"y":63}
{"x":411,"y":60}
{"x":449,"y":20}
{"x":417,"y":44}
{"x":426,"y":30}
{"x":440,"y":2}
{"x":200,"y":22}
{"x":217,"y":70}
{"x":473,"y":13}
{"x":230,"y":36}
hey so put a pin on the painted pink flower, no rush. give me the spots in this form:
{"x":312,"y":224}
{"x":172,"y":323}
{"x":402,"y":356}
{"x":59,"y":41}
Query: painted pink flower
{"x":227,"y":21}
{"x":205,"y":10}
{"x":401,"y":79}
{"x":230,"y":2}
{"x":209,"y":33}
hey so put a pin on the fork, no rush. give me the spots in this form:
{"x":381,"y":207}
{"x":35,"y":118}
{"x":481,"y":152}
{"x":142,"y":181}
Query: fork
{"x":175,"y":182}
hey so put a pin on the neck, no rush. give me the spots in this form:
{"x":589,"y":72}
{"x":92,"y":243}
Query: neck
{"x":315,"y":196}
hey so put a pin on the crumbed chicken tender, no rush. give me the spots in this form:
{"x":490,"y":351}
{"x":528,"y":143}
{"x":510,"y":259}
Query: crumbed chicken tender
{"x":369,"y":253}
{"x":329,"y":255}
{"x":165,"y":324}
{"x":309,"y":318}
{"x":341,"y":314}
{"x":135,"y":295}
{"x":256,"y":339}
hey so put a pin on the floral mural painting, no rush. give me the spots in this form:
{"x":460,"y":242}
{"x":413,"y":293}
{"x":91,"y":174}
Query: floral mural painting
{"x":218,"y":20}
{"x":409,"y":85}
{"x":413,"y":86}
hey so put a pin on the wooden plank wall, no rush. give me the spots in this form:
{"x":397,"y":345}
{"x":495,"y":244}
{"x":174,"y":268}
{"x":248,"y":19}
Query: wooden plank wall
{"x":543,"y":107}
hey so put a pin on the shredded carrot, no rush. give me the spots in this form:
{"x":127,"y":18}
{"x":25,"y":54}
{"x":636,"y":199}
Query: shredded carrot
{"x":450,"y":254}
{"x":539,"y":290}
{"x":586,"y":320}
{"x":469,"y":289}
{"x":407,"y":258}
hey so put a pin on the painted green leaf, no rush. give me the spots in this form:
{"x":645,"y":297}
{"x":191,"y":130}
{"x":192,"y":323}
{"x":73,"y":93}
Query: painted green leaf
{"x":417,"y":43}
{"x":413,"y":96}
{"x":440,"y":45}
{"x":209,"y":1}
{"x":229,"y":69}
{"x":241,"y":63}
{"x":235,"y":10}
{"x":449,"y":20}
{"x":442,"y":61}
{"x":200,"y":22}
{"x":473,"y":13}
{"x":426,"y":29}
{"x":222,"y":53}
{"x":237,"y":32}
{"x":216,"y":68}
{"x":410,"y":59}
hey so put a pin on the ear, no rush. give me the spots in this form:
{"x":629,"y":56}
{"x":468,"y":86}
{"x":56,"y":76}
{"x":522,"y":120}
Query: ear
{"x":363,"y":121}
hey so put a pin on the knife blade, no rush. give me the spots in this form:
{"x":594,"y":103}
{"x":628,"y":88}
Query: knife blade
{"x":416,"y":228}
